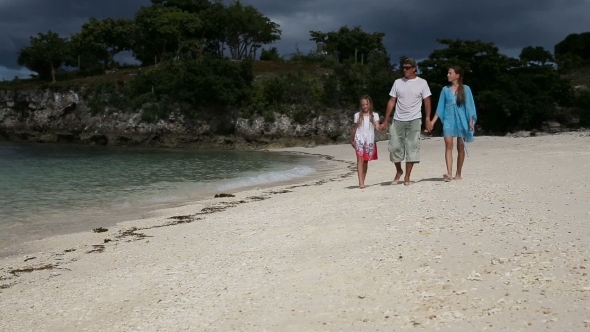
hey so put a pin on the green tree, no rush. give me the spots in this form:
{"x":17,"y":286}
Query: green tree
{"x":193,"y":87}
{"x":509,"y":93}
{"x":150,"y":46}
{"x":536,"y":55}
{"x":246,"y":30}
{"x":214,"y":29}
{"x":105,"y":38}
{"x":190,"y":6}
{"x":348,"y":42}
{"x":567,"y":63}
{"x":271,"y":54}
{"x":45,"y":55}
{"x":575,"y":44}
{"x":179,"y":26}
{"x":84,"y":56}
{"x":194,"y":23}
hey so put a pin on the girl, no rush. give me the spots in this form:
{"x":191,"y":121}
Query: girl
{"x":456,"y":110}
{"x":362,"y":137}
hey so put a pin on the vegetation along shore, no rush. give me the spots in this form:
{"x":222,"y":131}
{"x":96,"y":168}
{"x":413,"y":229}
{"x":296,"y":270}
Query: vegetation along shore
{"x":206,"y":75}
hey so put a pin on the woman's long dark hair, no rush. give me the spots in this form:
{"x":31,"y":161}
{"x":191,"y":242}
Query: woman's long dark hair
{"x":460,"y":89}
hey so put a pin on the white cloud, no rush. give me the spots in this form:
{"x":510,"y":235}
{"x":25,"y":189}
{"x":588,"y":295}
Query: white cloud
{"x":8,"y":74}
{"x":126,"y":58}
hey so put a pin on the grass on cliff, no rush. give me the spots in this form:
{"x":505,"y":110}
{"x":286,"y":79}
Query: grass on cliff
{"x":580,"y":77}
{"x":73,"y":79}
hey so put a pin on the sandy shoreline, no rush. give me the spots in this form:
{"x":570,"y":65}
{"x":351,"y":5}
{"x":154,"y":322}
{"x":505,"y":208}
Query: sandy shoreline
{"x":504,"y":249}
{"x":66,"y":222}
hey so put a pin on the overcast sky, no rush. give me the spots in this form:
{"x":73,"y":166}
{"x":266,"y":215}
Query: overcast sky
{"x":411,"y":27}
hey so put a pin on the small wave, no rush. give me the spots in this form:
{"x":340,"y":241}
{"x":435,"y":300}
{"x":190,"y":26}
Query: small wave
{"x":267,"y":178}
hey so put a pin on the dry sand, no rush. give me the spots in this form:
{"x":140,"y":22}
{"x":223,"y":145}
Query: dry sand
{"x":504,"y":249}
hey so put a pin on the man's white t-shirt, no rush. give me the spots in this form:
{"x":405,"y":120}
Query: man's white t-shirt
{"x":409,"y":94}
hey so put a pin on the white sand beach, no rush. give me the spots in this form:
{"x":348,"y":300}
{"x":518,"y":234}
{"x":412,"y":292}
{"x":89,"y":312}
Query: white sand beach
{"x":505,"y":249}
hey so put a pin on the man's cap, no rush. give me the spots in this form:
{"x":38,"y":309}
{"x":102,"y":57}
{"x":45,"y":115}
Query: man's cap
{"x":410,"y":61}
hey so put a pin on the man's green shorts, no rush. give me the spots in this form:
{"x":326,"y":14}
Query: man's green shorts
{"x":404,"y":141}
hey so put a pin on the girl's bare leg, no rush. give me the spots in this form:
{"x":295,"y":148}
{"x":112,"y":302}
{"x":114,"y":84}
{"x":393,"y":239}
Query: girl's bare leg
{"x":449,"y":158}
{"x":360,"y":170}
{"x":460,"y":157}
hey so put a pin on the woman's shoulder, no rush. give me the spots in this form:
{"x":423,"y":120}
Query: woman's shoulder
{"x":466,"y":87}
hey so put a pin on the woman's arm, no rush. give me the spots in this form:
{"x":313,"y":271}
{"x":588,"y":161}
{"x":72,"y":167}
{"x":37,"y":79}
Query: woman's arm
{"x":470,"y":108}
{"x":440,"y":108}
{"x":434,"y":119}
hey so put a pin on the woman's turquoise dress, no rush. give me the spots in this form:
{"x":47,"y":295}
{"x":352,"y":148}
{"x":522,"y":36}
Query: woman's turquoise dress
{"x":455,"y":119}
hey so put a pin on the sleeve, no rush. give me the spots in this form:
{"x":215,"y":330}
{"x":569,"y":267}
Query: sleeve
{"x":426,"y":90}
{"x":442,"y":103}
{"x":356,"y":117}
{"x":393,"y":92}
{"x":470,"y":104}
{"x":376,"y":118}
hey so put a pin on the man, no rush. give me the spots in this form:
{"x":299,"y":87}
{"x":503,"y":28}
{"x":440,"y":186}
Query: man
{"x":406,"y":98}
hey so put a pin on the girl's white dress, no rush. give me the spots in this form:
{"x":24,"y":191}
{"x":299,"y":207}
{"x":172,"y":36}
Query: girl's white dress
{"x":364,"y":138}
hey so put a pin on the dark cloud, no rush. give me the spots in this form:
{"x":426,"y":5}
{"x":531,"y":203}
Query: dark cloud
{"x":411,"y":27}
{"x":20,"y":19}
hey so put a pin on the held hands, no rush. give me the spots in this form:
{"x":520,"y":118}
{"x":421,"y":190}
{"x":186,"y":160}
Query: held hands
{"x":429,"y":126}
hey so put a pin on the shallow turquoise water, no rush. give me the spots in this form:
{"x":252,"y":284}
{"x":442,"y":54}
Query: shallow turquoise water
{"x":53,"y":189}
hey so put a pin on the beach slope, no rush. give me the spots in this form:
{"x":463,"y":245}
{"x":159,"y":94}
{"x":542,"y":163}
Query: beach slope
{"x":506,"y":248}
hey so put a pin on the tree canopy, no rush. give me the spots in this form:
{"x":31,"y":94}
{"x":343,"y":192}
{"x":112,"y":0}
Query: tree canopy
{"x":573,"y":52}
{"x":193,"y":44}
{"x":509,"y":92}
{"x":577,"y":44}
{"x":45,"y":55}
{"x":105,"y":38}
{"x":349,"y":42}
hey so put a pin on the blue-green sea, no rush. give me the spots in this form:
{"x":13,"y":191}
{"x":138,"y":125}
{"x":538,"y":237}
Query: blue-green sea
{"x":50,"y":189}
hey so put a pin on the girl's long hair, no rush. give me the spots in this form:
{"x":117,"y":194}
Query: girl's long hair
{"x":460,"y":88}
{"x":361,"y":117}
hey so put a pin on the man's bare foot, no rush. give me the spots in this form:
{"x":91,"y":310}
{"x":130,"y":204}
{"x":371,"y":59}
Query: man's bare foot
{"x":362,"y":186}
{"x":398,"y":175}
{"x":458,"y":177}
{"x":407,"y":183}
{"x":447,"y":177}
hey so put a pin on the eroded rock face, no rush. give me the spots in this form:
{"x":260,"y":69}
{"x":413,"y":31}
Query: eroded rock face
{"x":45,"y":116}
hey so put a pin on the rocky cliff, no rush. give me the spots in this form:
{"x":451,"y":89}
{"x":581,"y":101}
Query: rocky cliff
{"x":45,"y":116}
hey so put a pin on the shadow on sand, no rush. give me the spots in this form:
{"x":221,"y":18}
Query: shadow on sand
{"x":388,"y":183}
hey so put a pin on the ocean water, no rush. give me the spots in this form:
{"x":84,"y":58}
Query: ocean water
{"x":50,"y":189}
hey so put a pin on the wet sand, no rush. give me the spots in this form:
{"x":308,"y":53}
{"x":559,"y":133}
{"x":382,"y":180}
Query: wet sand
{"x":506,"y":248}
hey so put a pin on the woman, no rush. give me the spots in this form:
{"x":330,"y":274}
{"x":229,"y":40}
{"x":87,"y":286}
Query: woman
{"x":456,"y":110}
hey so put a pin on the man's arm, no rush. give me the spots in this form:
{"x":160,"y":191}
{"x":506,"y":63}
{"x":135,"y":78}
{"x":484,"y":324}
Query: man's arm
{"x":427,"y":110}
{"x":427,"y":105}
{"x":388,"y":110}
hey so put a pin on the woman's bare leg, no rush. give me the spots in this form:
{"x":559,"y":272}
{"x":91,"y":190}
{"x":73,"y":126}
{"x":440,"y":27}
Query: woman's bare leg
{"x":361,"y":172}
{"x":460,"y":157}
{"x":449,"y":158}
